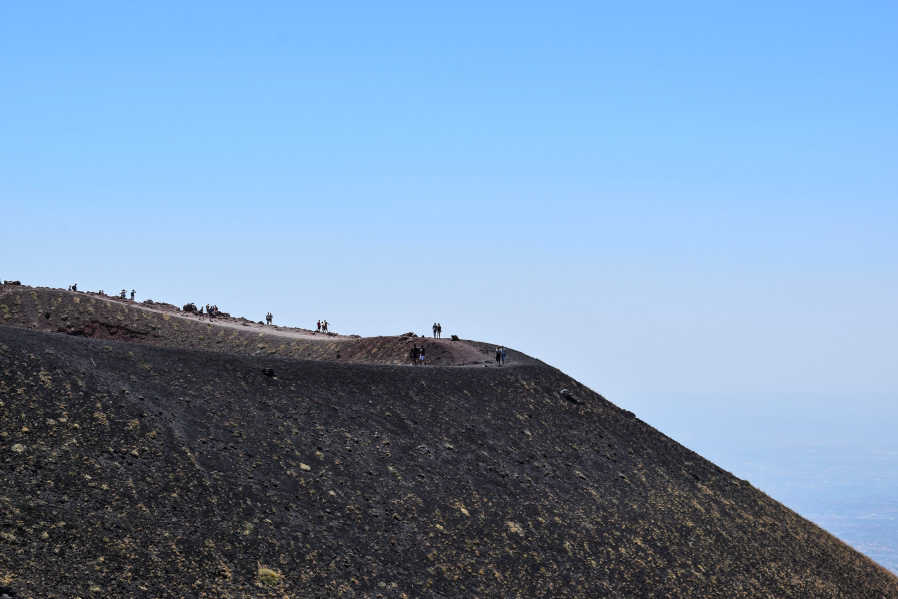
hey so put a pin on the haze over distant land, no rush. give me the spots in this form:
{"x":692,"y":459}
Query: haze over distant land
{"x":689,"y":208}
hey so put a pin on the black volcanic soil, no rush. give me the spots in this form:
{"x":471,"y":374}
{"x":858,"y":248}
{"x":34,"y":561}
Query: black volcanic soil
{"x":145,"y":470}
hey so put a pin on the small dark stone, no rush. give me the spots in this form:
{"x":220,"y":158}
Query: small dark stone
{"x":569,"y":396}
{"x":454,"y":337}
{"x":268,"y":372}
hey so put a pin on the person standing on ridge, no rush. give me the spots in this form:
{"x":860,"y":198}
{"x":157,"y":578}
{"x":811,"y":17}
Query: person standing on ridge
{"x":133,"y":293}
{"x":504,"y":355}
{"x":434,"y":330}
{"x":414,"y":353}
{"x":498,"y":354}
{"x":439,"y":331}
{"x":421,"y":357}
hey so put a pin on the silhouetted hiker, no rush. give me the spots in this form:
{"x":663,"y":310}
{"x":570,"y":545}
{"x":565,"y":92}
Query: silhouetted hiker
{"x":421,"y":356}
{"x":200,"y":312}
{"x":319,"y":327}
{"x":498,"y":354}
{"x":268,"y":318}
{"x":75,"y":287}
{"x":439,"y":331}
{"x":122,"y":294}
{"x":415,"y":353}
{"x":434,"y":330}
{"x":504,"y":355}
{"x":132,"y":294}
{"x":324,"y":325}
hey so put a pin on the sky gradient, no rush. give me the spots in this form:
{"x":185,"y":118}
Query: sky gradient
{"x":664,"y":201}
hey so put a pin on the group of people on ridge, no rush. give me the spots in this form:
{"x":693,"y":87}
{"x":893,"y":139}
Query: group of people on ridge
{"x":122,"y":294}
{"x":501,"y":354}
{"x":417,"y":355}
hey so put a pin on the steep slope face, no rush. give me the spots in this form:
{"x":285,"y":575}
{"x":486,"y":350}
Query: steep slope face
{"x":102,"y":317}
{"x":141,"y":471}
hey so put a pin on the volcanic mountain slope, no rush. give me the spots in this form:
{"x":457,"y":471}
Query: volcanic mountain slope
{"x":137,"y":470}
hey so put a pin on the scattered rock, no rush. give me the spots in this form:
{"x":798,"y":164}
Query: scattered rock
{"x":103,"y":330}
{"x":454,"y":337}
{"x":569,"y":396}
{"x":268,"y":372}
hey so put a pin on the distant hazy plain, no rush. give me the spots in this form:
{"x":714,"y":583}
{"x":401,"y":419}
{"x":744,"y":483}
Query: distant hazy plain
{"x":831,"y":458}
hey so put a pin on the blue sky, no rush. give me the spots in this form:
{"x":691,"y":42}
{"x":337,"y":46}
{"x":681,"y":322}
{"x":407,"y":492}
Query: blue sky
{"x":659,"y":199}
